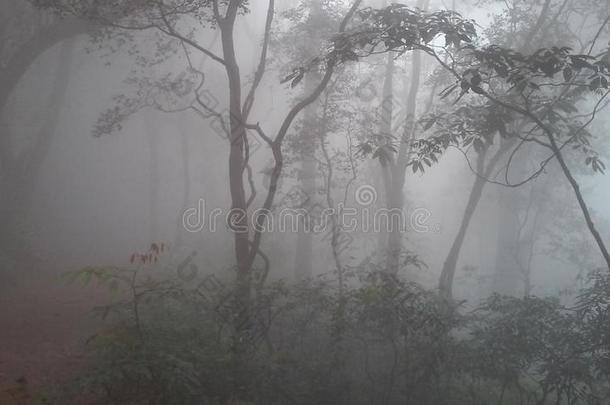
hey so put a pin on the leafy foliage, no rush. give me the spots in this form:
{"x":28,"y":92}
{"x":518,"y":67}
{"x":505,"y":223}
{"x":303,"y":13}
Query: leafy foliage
{"x":382,"y":339}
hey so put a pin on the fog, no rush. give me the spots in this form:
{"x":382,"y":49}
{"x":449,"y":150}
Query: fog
{"x":304,"y":202}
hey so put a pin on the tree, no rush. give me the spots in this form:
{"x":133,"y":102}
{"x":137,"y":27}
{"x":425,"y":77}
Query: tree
{"x":394,"y":160}
{"x":162,"y":19}
{"x":36,"y":32}
{"x":20,"y":170}
{"x":24,"y":38}
{"x":522,"y":29}
{"x":166,"y":19}
{"x":311,"y":23}
{"x":515,"y":83}
{"x":485,"y":169}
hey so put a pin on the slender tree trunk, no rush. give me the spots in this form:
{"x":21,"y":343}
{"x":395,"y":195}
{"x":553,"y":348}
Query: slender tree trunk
{"x":450,"y":264}
{"x":307,"y":178}
{"x":152,"y":136}
{"x":396,"y":197}
{"x":186,"y":180}
{"x":581,"y":202}
{"x":526,"y":244}
{"x":245,"y":251}
{"x":238,"y":216}
{"x":386,"y":129}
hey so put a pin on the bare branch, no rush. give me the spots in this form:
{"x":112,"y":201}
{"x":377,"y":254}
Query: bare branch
{"x":169,"y":30}
{"x":276,"y":146}
{"x":260,"y":132}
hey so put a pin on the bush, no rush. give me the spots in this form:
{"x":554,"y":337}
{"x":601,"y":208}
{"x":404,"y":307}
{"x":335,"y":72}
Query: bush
{"x":381,"y":340}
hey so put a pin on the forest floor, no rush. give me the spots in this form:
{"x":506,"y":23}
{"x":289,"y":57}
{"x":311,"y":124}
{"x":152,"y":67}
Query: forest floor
{"x":44,"y":324}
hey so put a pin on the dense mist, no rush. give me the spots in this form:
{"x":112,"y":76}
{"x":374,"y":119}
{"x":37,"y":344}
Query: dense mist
{"x":304,"y":202}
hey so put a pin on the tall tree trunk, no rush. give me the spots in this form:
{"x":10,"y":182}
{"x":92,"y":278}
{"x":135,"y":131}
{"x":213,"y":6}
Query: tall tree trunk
{"x":307,"y":177}
{"x":245,"y":250}
{"x":186,"y":181}
{"x":450,"y":264}
{"x":152,"y":136}
{"x":238,"y":215}
{"x":527,"y":236}
{"x":307,"y":144}
{"x":386,"y":162}
{"x":396,"y":197}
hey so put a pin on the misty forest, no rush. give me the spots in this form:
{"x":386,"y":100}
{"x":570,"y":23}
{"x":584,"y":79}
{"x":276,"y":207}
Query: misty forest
{"x":277,"y":202}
